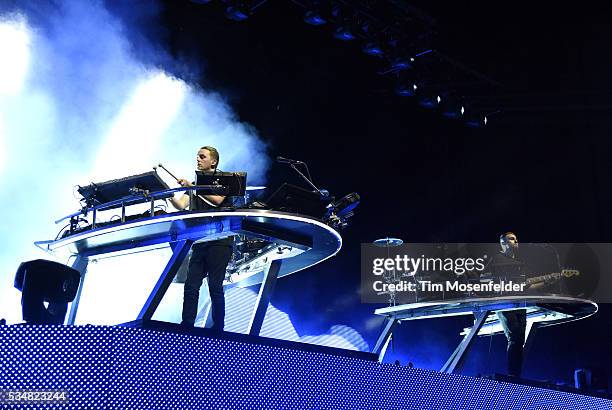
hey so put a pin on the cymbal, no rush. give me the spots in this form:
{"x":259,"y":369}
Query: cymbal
{"x":388,"y":242}
{"x":255,"y":188}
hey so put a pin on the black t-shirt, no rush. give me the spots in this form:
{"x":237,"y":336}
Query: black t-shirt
{"x":198,"y":204}
{"x":532,"y":261}
{"x":506,"y":267}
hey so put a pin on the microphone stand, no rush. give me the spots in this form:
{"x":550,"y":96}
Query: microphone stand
{"x":556,"y":253}
{"x":323,"y":193}
{"x":557,"y":258}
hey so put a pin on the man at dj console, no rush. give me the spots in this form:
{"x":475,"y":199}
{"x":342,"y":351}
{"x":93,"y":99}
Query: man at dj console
{"x":208,"y":258}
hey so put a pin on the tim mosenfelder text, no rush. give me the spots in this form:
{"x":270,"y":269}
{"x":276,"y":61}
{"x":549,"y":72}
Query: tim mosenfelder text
{"x":459,"y":266}
{"x":448,"y":286}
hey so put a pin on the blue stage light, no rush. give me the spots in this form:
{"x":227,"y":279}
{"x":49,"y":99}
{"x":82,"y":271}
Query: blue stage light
{"x":453,"y":109}
{"x":430,"y":101}
{"x":314,"y":18}
{"x":373,"y":48}
{"x":476,"y":121}
{"x":401,"y":63}
{"x":407,"y":90}
{"x":344,"y":33}
{"x":236,"y":13}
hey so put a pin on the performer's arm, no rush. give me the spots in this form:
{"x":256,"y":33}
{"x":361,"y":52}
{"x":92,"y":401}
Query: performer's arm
{"x":215,"y":199}
{"x":537,"y":286}
{"x":182,"y":202}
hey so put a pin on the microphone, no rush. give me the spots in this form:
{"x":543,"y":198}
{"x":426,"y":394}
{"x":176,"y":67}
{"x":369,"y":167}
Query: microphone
{"x":284,"y":160}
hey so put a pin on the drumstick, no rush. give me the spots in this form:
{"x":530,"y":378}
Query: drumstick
{"x":177,"y":180}
{"x":170,"y":173}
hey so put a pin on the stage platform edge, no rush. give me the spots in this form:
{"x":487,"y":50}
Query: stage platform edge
{"x":152,"y":365}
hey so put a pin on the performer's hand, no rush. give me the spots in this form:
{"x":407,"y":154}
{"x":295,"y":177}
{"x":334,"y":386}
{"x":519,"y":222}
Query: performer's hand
{"x":184,"y":182}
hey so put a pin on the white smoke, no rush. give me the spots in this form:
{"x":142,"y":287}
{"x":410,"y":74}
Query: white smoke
{"x":78,"y":105}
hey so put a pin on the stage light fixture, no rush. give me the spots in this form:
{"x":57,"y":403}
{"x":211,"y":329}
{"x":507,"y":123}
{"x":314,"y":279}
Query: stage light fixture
{"x":343,"y":16}
{"x":402,"y":59}
{"x":46,"y":281}
{"x":237,"y":12}
{"x":314,"y":18}
{"x":453,"y":108}
{"x":476,"y":120}
{"x":344,"y":33}
{"x":399,"y":63}
{"x":406,"y":89}
{"x":373,"y":48}
{"x":430,"y":100}
{"x":372,"y":45}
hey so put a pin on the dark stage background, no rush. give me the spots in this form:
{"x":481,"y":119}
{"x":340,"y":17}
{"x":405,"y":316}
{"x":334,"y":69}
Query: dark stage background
{"x":540,"y":167}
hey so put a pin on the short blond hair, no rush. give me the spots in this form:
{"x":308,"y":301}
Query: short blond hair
{"x":213,"y":153}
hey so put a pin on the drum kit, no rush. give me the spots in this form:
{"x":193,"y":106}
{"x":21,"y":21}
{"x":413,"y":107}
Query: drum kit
{"x":251,"y":193}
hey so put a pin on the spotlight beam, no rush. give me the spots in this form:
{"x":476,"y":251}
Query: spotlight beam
{"x":15,"y":52}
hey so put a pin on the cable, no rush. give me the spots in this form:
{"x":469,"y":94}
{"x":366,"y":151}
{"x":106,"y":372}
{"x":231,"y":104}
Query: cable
{"x":78,"y":221}
{"x":60,"y":231}
{"x":68,"y":259}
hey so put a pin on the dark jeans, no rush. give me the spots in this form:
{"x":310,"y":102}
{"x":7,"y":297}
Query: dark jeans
{"x":208,"y":259}
{"x":514,"y":323}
